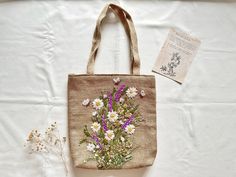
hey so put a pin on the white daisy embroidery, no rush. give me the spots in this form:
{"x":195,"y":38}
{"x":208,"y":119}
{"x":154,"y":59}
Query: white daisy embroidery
{"x":109,"y":135}
{"x":130,"y":129}
{"x":90,"y":147}
{"x":112,"y":116}
{"x":131,"y":92}
{"x":95,"y":126}
{"x":86,"y":102}
{"x":98,"y":103}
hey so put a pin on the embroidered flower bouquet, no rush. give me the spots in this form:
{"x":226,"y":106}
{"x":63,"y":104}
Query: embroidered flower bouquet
{"x":112,"y":117}
{"x":109,"y":137}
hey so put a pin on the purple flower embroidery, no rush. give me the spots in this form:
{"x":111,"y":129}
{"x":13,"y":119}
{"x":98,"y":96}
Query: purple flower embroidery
{"x":95,"y":138}
{"x":128,"y":122}
{"x":104,"y":125}
{"x":119,"y":92}
{"x":110,"y":102}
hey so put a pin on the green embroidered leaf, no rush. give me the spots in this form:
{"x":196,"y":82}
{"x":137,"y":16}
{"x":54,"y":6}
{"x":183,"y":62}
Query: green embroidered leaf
{"x":82,"y":141}
{"x":86,"y":132}
{"x":114,"y":91}
{"x":134,"y":109}
{"x":126,"y":88}
{"x":105,"y":102}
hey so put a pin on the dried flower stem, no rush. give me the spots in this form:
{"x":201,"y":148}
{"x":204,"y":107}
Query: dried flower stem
{"x":50,"y":142}
{"x":61,"y":152}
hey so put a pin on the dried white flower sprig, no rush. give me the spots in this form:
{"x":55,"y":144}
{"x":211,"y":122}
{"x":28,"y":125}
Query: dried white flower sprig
{"x":48,"y":142}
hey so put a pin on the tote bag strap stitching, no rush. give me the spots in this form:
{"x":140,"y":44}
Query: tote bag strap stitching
{"x":127,"y":22}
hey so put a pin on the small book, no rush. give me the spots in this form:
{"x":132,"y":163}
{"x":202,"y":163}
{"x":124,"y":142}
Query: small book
{"x":176,"y":55}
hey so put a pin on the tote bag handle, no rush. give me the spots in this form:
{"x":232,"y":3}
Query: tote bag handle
{"x":128,"y":24}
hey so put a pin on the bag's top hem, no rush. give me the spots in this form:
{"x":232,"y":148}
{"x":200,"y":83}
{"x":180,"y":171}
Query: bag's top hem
{"x":72,"y":75}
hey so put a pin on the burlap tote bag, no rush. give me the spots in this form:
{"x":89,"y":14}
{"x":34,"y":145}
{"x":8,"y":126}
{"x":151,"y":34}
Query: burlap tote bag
{"x":112,"y":117}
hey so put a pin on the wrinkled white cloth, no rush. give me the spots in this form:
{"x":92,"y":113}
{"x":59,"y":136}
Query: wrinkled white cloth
{"x":41,"y":42}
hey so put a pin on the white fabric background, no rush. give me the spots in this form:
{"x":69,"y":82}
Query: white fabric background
{"x":42,"y":42}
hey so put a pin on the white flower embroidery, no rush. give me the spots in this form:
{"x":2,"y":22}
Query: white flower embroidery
{"x":122,"y":138}
{"x":94,"y":113}
{"x":122,"y":100}
{"x":130,"y":129}
{"x":109,"y":135}
{"x":85,"y":102}
{"x":90,"y":147}
{"x":116,"y":80}
{"x":112,"y":116}
{"x":105,"y":96}
{"x":98,"y":103}
{"x":142,"y":93}
{"x":121,"y":122}
{"x":95,"y":126}
{"x":131,"y":92}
